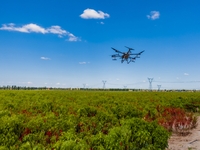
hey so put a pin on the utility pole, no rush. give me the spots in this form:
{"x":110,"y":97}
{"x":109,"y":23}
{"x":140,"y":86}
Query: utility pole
{"x":150,"y":83}
{"x":104,"y":84}
{"x":159,"y":86}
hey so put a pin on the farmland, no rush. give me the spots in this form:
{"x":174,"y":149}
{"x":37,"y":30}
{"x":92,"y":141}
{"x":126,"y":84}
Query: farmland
{"x":94,"y":120}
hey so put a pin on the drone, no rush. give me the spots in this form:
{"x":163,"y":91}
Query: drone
{"x":126,"y":56}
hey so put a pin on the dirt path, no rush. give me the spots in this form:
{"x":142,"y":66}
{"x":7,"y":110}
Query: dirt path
{"x":189,"y":142}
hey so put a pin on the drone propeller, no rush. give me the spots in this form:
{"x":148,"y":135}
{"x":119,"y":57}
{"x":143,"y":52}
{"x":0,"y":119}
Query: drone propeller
{"x":137,"y":53}
{"x":129,"y":48}
{"x":115,"y":55}
{"x":117,"y":50}
{"x":137,"y":56}
{"x":141,"y":52}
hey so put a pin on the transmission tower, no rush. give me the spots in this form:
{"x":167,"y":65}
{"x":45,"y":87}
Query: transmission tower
{"x":159,"y":86}
{"x":84,"y":85}
{"x":104,"y":84}
{"x":150,"y":83}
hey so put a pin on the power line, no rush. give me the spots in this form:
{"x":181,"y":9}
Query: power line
{"x":177,"y":81}
{"x":125,"y":84}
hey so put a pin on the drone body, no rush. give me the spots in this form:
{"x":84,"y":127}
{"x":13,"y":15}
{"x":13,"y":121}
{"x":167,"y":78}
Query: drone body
{"x":126,"y":56}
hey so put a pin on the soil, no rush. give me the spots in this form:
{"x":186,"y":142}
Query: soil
{"x":187,"y":142}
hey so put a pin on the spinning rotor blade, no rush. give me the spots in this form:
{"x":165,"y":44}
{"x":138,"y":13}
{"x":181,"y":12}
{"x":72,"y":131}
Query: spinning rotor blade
{"x":140,"y":52}
{"x":117,"y":50}
{"x":135,"y":57}
{"x":129,"y":48}
{"x":132,"y":59}
{"x":115,"y":55}
{"x":137,"y":53}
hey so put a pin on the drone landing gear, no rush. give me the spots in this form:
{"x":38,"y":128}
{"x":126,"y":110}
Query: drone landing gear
{"x":130,"y":61}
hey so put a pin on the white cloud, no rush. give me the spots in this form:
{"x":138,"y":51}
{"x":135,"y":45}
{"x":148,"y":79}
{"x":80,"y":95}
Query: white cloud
{"x":186,"y":74}
{"x":45,"y":58}
{"x":154,"y":15}
{"x":82,"y":63}
{"x":28,"y":28}
{"x":57,"y":30}
{"x":34,"y":28}
{"x":93,"y":14}
{"x":73,"y":38}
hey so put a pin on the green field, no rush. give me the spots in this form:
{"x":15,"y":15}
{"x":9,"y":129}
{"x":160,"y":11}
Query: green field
{"x":94,"y":120}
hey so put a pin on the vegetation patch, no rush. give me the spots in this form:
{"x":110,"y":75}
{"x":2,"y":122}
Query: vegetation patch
{"x":94,"y":120}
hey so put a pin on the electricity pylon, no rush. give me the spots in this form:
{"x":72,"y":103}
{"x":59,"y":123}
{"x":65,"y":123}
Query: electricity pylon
{"x":84,"y":85}
{"x":150,"y":83}
{"x":104,"y":84}
{"x":159,"y":86}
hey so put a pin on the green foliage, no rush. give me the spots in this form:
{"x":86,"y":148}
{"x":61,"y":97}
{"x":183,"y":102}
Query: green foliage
{"x":90,"y":120}
{"x":10,"y":130}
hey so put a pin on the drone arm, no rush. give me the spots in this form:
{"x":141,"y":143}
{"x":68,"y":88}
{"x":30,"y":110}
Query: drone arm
{"x":116,"y":50}
{"x":137,"y":53}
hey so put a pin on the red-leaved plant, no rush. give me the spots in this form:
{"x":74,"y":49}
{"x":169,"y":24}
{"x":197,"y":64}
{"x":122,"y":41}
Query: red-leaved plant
{"x":175,"y":120}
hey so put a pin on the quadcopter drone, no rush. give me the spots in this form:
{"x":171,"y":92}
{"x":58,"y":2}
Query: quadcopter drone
{"x":126,"y":56}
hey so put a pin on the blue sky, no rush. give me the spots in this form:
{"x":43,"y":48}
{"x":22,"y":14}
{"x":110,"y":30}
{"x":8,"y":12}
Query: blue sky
{"x":65,"y":43}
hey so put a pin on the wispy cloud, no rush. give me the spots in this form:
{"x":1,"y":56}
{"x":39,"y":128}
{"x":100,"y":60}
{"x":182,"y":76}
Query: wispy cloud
{"x":93,"y":14}
{"x":101,"y":22}
{"x":186,"y":74}
{"x":154,"y":15}
{"x":73,"y":38}
{"x":56,"y":30}
{"x":84,"y":63}
{"x":45,"y":58}
{"x":26,"y":83}
{"x":34,"y":28}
